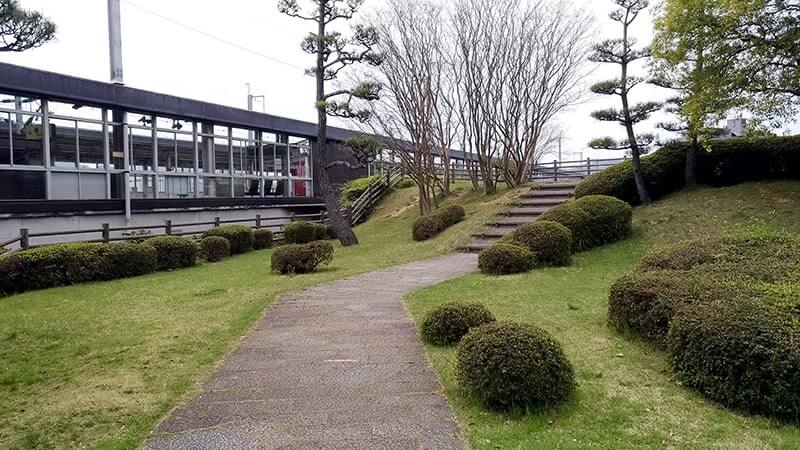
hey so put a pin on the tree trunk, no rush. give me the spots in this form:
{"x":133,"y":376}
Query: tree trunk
{"x":341,"y":226}
{"x":691,"y":163}
{"x":638,"y":176}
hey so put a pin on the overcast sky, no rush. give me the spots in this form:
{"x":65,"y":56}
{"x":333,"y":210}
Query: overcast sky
{"x":262,"y":49}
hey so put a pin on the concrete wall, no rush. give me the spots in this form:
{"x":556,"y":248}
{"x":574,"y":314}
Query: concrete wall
{"x":9,"y":228}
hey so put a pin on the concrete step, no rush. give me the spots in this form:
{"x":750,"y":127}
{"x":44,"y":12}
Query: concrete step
{"x":478,"y":245}
{"x":540,"y":201}
{"x":529,"y":211}
{"x":565,"y":193}
{"x":558,"y":185}
{"x":494,"y":232}
{"x":513,"y":221}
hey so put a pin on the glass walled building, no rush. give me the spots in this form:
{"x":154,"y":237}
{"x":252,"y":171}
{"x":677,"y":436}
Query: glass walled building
{"x":53,"y":150}
{"x":74,"y":146}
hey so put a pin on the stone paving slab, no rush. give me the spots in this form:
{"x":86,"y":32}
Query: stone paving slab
{"x":336,"y":366}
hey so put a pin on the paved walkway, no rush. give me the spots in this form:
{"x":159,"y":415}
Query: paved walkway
{"x":336,"y":366}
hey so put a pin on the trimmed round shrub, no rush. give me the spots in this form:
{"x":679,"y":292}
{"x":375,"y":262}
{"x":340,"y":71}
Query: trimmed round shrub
{"x":505,"y":259}
{"x":743,"y":355}
{"x":174,"y":252}
{"x":3,"y":251}
{"x":449,"y":322}
{"x":609,"y":219}
{"x":215,"y":248}
{"x":645,"y":303}
{"x":301,"y":258}
{"x":66,"y":264}
{"x":405,"y":183}
{"x":304,"y":232}
{"x":262,"y":238}
{"x":239,"y":236}
{"x":512,"y":365}
{"x":430,"y":225}
{"x":550,"y":241}
{"x":577,"y":221}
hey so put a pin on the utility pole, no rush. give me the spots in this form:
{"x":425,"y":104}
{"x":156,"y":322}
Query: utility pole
{"x":250,"y":99}
{"x":115,"y":42}
{"x":118,"y":145}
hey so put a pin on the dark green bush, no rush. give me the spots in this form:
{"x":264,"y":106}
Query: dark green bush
{"x":728,"y":162}
{"x":239,"y":236}
{"x":431,"y":224}
{"x":304,"y":232}
{"x":576,"y":220}
{"x":449,"y":322}
{"x":66,"y":264}
{"x":174,"y":252}
{"x":509,"y":365}
{"x":550,"y":241}
{"x":609,"y":219}
{"x":3,"y":251}
{"x":262,"y":238}
{"x":215,"y":248}
{"x":645,"y":303}
{"x":749,"y":257}
{"x":743,"y":355}
{"x":301,"y":258}
{"x":505,"y":259}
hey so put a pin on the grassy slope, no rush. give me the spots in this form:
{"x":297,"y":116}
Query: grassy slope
{"x":98,"y":365}
{"x":627,"y":397}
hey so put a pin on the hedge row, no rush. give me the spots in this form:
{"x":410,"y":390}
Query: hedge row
{"x":593,"y":220}
{"x":727,"y":312}
{"x":724,"y":163}
{"x":67,"y":264}
{"x":430,"y":225}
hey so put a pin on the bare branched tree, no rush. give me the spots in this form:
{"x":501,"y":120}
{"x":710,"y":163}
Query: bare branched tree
{"x":411,"y":114}
{"x":524,"y":63}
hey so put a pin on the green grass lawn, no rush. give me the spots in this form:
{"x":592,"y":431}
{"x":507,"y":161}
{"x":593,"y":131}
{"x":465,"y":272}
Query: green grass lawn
{"x":97,"y":365}
{"x":627,"y":397}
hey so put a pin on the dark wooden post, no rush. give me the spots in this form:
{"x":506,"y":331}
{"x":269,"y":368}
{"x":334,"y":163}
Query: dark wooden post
{"x":292,"y":216}
{"x":588,"y":166}
{"x":216,"y":222}
{"x":555,"y":170}
{"x":106,"y":233}
{"x":168,"y":227}
{"x":258,"y":221}
{"x":24,"y":240}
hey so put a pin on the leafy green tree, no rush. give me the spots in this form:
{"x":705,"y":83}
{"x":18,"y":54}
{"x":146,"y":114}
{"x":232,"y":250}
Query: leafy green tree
{"x":692,"y":60}
{"x":335,"y":52}
{"x":21,"y":29}
{"x":764,"y":36}
{"x":621,"y":51}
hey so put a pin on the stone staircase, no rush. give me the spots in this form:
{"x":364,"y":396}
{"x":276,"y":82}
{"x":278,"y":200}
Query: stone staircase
{"x":527,"y":209}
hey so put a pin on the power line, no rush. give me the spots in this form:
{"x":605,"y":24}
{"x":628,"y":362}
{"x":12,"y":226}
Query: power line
{"x":211,"y":36}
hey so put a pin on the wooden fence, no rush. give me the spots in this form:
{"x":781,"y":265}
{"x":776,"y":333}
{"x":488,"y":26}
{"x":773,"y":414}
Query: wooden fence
{"x":364,"y":204}
{"x":131,"y":233}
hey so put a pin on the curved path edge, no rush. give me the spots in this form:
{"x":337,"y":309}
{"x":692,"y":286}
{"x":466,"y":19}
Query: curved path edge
{"x":338,"y":365}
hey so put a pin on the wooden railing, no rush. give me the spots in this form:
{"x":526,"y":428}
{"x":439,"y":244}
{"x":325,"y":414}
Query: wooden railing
{"x":559,"y":170}
{"x":131,"y":233}
{"x":554,"y":171}
{"x":364,"y":204}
